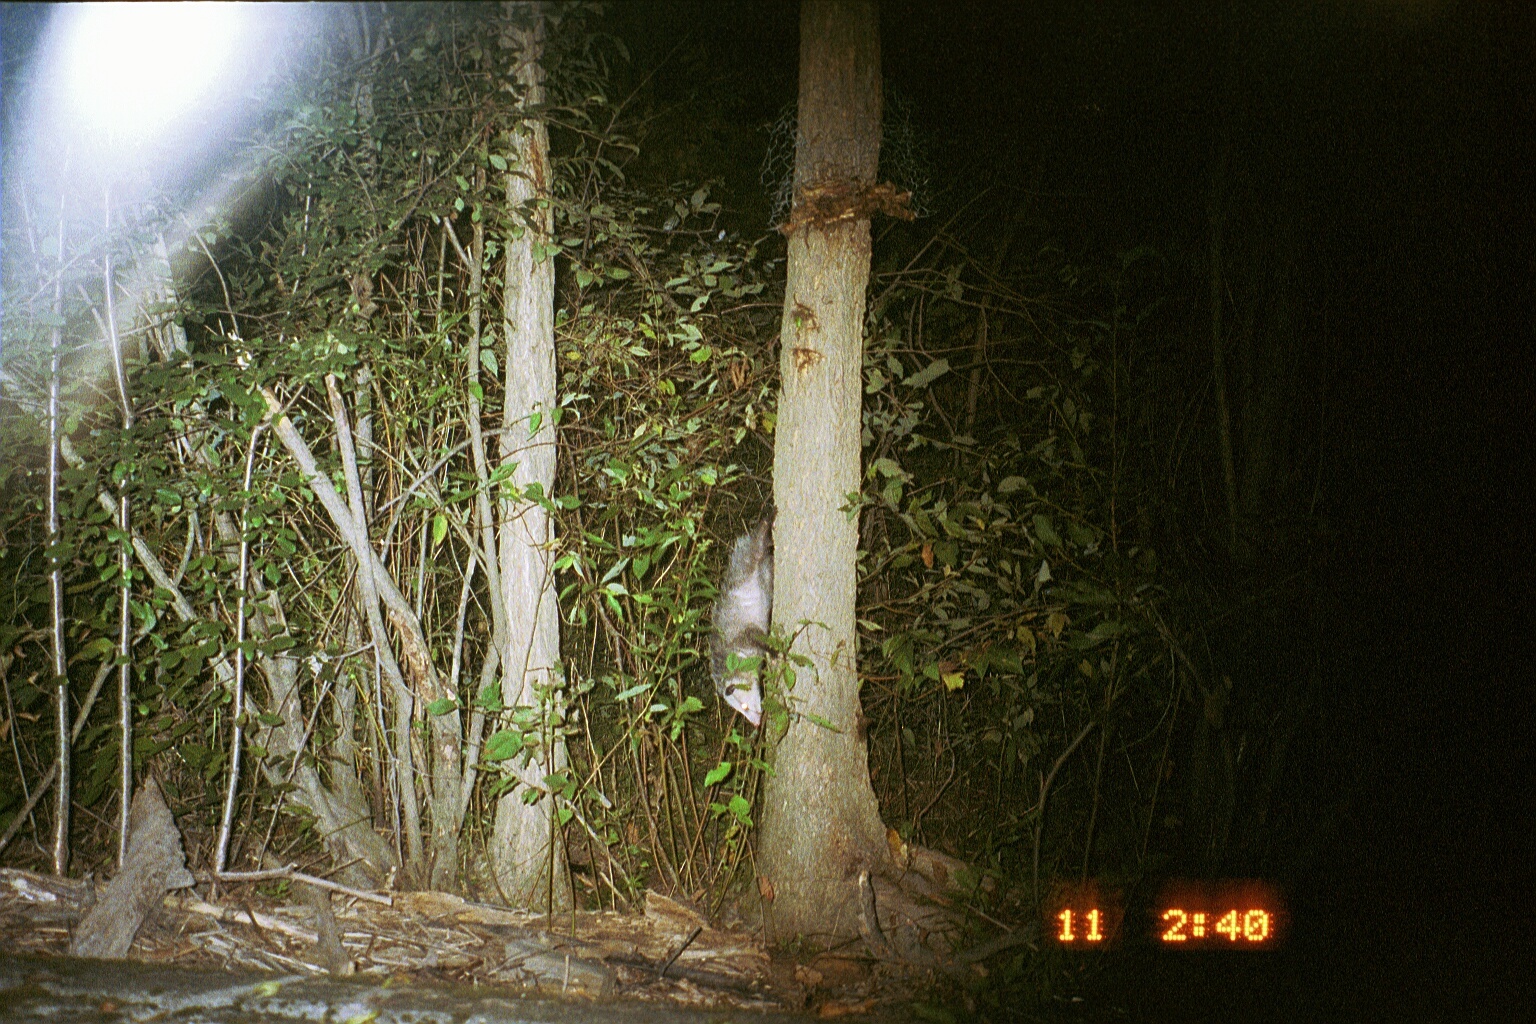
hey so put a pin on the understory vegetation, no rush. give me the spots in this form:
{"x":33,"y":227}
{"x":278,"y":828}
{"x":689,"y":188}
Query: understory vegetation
{"x":1070,"y":645}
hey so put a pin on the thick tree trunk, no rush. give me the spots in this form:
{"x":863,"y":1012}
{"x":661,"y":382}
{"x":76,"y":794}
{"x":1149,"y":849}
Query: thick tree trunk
{"x":820,"y":821}
{"x":529,"y":855}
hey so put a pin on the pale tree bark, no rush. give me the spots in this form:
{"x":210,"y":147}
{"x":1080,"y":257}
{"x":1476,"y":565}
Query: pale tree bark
{"x":64,"y":794}
{"x":527,"y":851}
{"x":820,"y":820}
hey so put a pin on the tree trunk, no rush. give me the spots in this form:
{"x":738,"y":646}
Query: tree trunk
{"x":1216,"y":212}
{"x":529,"y":855}
{"x":64,"y":793}
{"x":820,"y":820}
{"x":1269,"y":348}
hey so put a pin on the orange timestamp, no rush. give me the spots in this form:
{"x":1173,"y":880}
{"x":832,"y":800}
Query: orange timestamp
{"x":1086,"y":915}
{"x":1245,"y":914}
{"x":1220,"y":914}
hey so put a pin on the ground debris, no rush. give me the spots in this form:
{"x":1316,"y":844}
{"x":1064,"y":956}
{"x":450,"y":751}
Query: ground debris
{"x":423,"y":936}
{"x":153,"y":865}
{"x":50,"y":989}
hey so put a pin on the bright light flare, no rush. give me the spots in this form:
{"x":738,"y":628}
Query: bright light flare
{"x":133,"y":70}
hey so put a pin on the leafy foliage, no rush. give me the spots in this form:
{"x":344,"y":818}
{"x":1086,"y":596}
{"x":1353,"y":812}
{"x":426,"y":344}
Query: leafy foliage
{"x":1022,"y":584}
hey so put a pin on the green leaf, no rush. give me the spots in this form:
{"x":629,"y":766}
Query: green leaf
{"x":928,"y":374}
{"x":504,"y":744}
{"x":441,"y":706}
{"x":1046,"y":532}
{"x":717,"y":774}
{"x":741,"y":809}
{"x":1106,"y":630}
{"x":439,"y":529}
{"x":1007,"y":659}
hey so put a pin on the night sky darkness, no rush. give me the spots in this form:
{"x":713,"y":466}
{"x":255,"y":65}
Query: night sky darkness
{"x":1407,"y":132}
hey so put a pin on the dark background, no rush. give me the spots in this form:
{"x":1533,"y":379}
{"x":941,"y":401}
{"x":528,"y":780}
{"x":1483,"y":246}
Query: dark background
{"x":1408,"y":133}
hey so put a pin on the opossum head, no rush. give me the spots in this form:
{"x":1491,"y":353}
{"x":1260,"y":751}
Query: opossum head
{"x":742,"y":690}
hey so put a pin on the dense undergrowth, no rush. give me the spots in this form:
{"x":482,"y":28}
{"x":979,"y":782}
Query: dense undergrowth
{"x":1042,"y":694}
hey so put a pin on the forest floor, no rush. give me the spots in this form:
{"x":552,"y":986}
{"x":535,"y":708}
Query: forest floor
{"x":669,"y":956}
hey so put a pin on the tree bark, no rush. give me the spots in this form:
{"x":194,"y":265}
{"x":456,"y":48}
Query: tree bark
{"x":154,"y":864}
{"x":527,"y":848}
{"x":64,"y":794}
{"x":820,"y":821}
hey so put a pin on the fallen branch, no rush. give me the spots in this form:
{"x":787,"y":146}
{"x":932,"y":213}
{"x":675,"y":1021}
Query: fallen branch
{"x":292,"y":872}
{"x":230,"y":915}
{"x":153,"y":864}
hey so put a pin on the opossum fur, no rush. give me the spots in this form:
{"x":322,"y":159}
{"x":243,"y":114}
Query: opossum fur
{"x":742,"y":613}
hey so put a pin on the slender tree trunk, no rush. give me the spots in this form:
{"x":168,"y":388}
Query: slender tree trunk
{"x":983,"y":326}
{"x":1270,"y":346}
{"x":124,"y":563}
{"x":529,"y":855}
{"x":1216,"y":218}
{"x":820,"y":820}
{"x":64,"y":793}
{"x":383,"y":650}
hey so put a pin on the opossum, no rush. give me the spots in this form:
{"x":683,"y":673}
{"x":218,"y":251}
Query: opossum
{"x":742,"y":613}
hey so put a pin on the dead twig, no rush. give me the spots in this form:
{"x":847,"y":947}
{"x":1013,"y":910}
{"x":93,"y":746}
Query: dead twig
{"x":230,"y":915}
{"x":673,"y":958}
{"x":292,"y":872}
